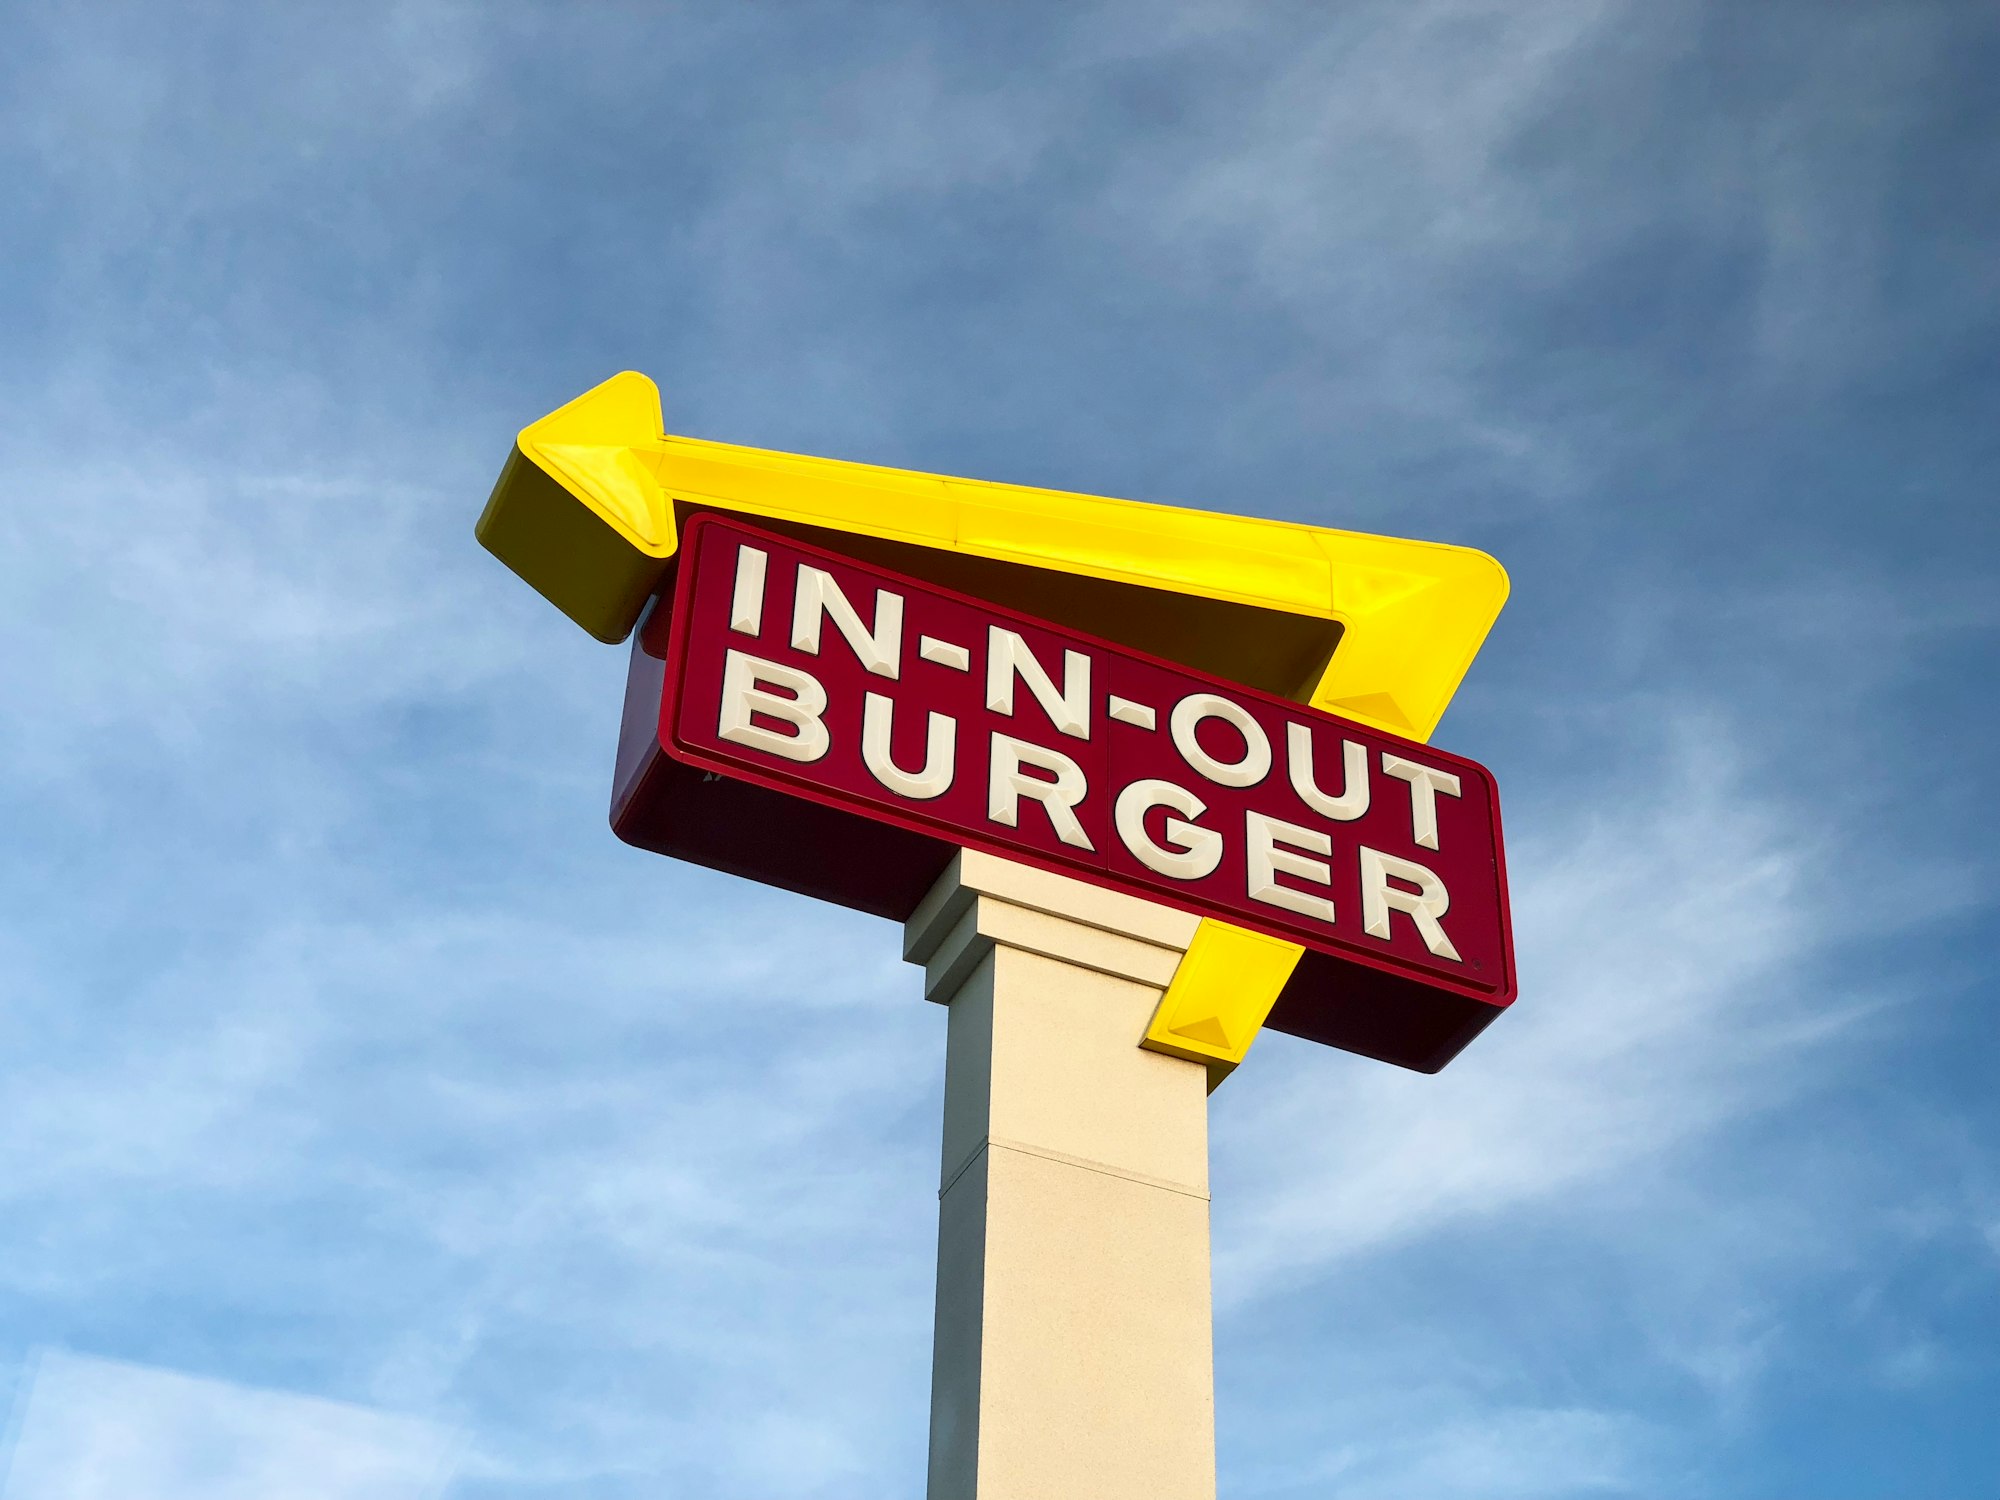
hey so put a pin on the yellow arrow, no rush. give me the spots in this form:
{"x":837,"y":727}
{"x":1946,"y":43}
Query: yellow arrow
{"x":1377,"y":629}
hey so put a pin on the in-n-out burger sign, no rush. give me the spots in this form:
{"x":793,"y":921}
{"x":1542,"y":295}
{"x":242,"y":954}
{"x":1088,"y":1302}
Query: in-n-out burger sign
{"x":829,"y":726}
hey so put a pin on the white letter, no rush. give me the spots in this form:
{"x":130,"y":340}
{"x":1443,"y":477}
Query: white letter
{"x":742,"y":697}
{"x":1424,"y":784}
{"x":940,"y":751}
{"x":1256,"y":761}
{"x":880,"y":650}
{"x":944,"y":653}
{"x":1006,"y":786}
{"x":1125,"y":711}
{"x":1266,"y":855}
{"x":746,"y":605}
{"x":1007,"y":655}
{"x":1196,"y":851}
{"x":1353,"y":799}
{"x":1425,"y":904}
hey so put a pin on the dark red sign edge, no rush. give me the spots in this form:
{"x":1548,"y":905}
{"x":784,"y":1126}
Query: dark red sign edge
{"x":1499,"y":997}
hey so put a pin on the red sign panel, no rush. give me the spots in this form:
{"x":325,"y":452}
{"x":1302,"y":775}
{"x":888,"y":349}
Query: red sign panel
{"x":944,"y":721}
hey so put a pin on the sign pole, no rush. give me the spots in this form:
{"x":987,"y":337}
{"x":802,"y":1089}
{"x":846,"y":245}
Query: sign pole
{"x":1074,"y":1346}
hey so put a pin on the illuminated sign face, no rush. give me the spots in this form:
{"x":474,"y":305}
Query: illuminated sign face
{"x":900,"y":720}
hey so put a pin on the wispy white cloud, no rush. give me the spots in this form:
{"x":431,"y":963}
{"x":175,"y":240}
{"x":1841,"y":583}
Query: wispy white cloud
{"x":1657,"y":928}
{"x":1498,"y":1453}
{"x":96,"y":1429}
{"x":622,"y":1073}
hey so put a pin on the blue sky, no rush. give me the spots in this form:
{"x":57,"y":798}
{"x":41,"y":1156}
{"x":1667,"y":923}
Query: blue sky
{"x":372,"y":1123}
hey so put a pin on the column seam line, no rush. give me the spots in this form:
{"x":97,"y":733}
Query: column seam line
{"x":1063,"y":1158}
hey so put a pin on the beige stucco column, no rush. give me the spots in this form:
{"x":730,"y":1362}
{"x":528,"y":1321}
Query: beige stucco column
{"x":1074,"y":1346}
